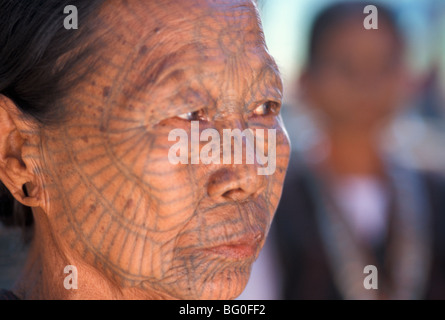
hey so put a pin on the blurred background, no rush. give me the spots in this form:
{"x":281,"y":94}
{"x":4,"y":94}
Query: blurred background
{"x":350,"y":196}
{"x":418,"y":132}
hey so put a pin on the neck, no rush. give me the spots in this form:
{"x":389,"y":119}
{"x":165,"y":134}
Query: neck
{"x":353,"y":152}
{"x":44,"y":277}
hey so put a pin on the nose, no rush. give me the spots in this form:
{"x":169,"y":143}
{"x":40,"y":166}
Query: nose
{"x":235,"y":184}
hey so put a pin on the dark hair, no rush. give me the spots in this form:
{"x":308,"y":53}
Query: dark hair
{"x":40,"y":61}
{"x":333,"y":15}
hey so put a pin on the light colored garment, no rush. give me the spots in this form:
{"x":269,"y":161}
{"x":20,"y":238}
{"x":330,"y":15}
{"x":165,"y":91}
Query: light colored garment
{"x":363,"y":202}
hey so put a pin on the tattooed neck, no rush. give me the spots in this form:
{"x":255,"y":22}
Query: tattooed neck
{"x":44,"y":276}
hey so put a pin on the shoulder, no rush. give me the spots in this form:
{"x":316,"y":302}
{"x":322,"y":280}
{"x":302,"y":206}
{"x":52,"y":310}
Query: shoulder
{"x":7,"y":295}
{"x":434,"y":184}
{"x":295,"y":218}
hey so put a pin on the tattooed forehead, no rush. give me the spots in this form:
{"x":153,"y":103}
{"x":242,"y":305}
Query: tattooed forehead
{"x":187,"y":55}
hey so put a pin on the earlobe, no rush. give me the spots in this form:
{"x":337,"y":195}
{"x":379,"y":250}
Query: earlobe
{"x":13,"y":172}
{"x":15,"y":177}
{"x":20,"y":195}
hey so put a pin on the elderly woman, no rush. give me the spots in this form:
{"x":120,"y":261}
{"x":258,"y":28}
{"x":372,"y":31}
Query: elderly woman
{"x":85,"y":116}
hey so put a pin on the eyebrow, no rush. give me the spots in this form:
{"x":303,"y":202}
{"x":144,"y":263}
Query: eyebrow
{"x":269,"y":73}
{"x":172,"y":67}
{"x":271,"y":66}
{"x":159,"y":71}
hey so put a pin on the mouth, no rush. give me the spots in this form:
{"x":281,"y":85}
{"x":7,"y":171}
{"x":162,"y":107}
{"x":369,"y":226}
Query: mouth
{"x":241,"y":249}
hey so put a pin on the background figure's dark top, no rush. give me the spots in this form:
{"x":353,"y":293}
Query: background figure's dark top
{"x":7,"y":295}
{"x":306,"y":271}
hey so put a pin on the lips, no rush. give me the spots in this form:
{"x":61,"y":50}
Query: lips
{"x":225,"y":231}
{"x":241,"y":249}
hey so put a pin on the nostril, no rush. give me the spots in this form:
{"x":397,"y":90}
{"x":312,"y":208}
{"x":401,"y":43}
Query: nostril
{"x":235,"y":194}
{"x":234,"y":185}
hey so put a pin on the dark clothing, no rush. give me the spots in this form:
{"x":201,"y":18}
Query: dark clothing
{"x":7,"y":295}
{"x":306,"y":267}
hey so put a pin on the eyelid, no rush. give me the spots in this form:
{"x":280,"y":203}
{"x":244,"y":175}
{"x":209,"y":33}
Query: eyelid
{"x":265,"y":108}
{"x":188,"y":116}
{"x":184,"y":116}
{"x":268,"y":107}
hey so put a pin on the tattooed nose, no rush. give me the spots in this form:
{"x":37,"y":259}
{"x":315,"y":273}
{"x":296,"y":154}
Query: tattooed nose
{"x":235,"y":185}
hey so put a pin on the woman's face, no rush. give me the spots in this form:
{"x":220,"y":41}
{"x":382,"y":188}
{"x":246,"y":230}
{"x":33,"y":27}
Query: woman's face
{"x":113,"y":197}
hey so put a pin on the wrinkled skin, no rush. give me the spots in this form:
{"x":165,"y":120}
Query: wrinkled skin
{"x":110,"y":202}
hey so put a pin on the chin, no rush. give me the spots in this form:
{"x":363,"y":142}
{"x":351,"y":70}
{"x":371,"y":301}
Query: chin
{"x":224,"y":283}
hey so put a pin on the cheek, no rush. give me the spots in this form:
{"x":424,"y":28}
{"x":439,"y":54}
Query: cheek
{"x":394,"y":91}
{"x":331,"y":97}
{"x":170,"y":187}
{"x":117,"y":201}
{"x":342,"y":103}
{"x":163,"y":197}
{"x":280,"y":148}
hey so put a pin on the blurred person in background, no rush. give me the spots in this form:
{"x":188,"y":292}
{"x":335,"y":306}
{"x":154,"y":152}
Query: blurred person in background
{"x":346,"y":204}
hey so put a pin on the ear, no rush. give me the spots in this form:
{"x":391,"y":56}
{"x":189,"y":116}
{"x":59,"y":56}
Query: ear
{"x":13,"y":172}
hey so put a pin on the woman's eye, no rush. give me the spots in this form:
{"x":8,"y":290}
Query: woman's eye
{"x":193,"y":116}
{"x":266,"y":108}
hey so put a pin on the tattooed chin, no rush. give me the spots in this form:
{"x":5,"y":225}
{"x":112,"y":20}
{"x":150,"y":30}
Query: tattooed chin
{"x":214,"y":253}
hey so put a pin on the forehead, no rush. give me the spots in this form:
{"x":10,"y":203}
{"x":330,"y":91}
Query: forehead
{"x":351,"y":38}
{"x":197,"y":49}
{"x":187,"y":30}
